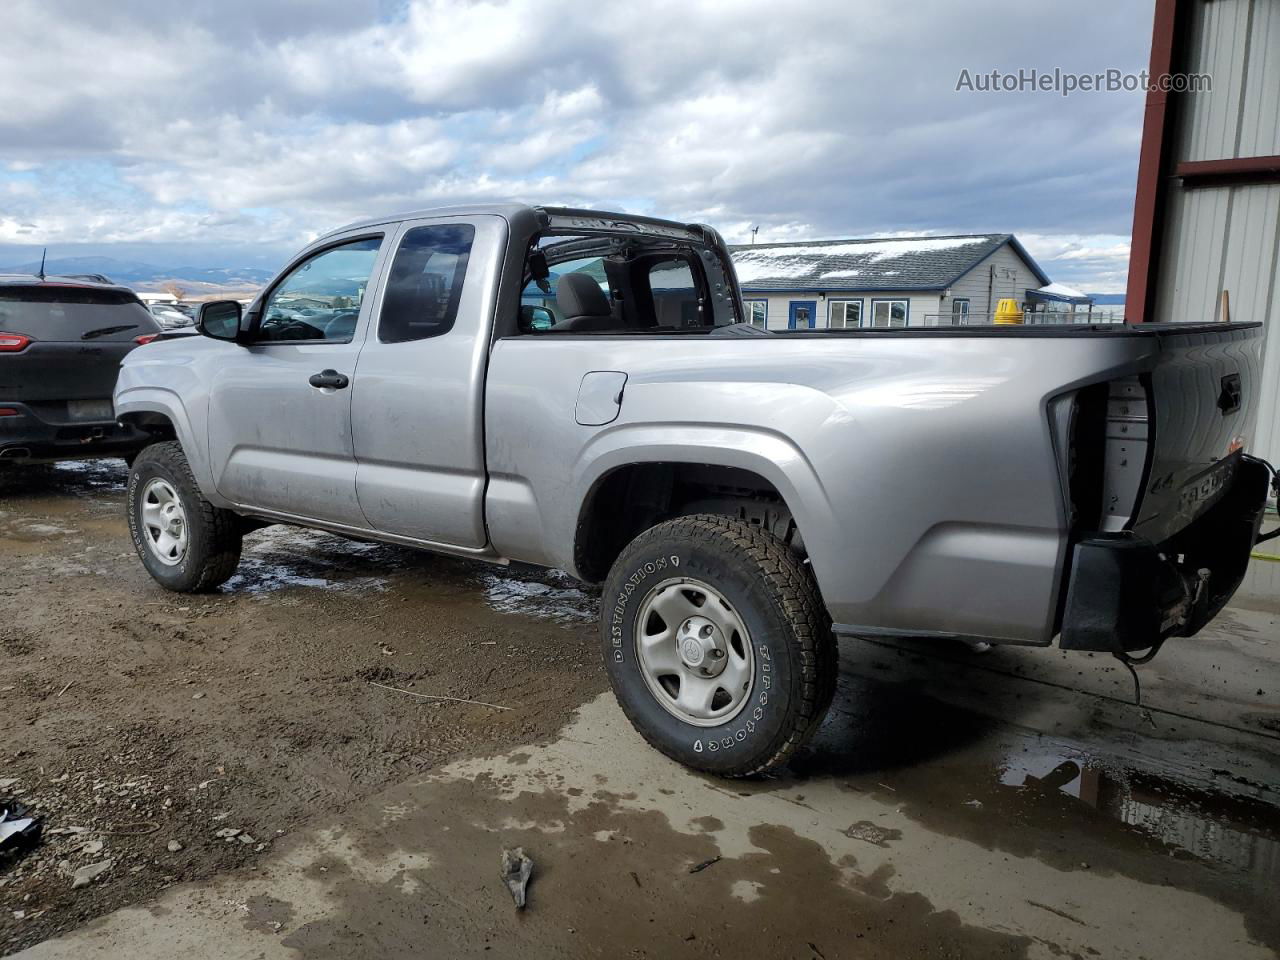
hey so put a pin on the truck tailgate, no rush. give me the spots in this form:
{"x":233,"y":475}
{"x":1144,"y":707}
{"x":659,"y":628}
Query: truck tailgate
{"x":1200,"y":405}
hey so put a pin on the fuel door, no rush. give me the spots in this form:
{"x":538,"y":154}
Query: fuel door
{"x":600,"y":397}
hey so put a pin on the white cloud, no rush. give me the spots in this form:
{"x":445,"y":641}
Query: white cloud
{"x":264,"y":121}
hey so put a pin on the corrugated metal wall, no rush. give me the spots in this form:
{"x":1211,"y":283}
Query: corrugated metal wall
{"x":1228,"y":238}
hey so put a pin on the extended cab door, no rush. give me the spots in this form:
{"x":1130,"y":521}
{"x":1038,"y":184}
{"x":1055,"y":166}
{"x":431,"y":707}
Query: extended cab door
{"x":280,"y":409}
{"x":417,"y":405}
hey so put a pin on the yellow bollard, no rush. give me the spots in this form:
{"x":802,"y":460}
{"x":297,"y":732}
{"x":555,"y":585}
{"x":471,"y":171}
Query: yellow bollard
{"x":1007,"y":313}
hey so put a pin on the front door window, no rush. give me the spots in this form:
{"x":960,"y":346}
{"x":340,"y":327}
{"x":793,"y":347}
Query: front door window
{"x":320,"y":298}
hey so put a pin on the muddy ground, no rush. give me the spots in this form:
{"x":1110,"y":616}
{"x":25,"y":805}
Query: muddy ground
{"x":133,"y":717}
{"x":1013,"y":803}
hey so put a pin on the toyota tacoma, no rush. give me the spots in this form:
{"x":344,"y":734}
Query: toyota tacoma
{"x":577,"y":389}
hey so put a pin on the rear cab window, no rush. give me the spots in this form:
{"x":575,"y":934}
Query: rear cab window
{"x":677,"y":299}
{"x":51,"y":312}
{"x":585,"y":274}
{"x":547,"y":299}
{"x":425,"y":284}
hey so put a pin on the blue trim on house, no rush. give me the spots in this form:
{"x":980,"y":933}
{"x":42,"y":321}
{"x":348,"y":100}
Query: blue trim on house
{"x":748,"y":291}
{"x":813,"y":313}
{"x":860,"y":301}
{"x":872,"y":316}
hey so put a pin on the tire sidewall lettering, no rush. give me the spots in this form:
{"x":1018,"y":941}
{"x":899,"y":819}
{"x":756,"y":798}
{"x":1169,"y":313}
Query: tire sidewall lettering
{"x":619,"y":614}
{"x":759,"y":717}
{"x":133,"y":497}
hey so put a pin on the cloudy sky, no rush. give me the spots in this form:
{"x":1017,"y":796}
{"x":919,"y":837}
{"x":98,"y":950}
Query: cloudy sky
{"x":229,"y":132}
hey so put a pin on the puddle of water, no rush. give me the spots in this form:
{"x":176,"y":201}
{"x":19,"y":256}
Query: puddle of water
{"x":91,"y":474}
{"x":1234,"y":832}
{"x":31,"y":531}
{"x":63,"y":487}
{"x":1101,"y":796}
{"x":548,"y":595}
{"x":282,"y":557}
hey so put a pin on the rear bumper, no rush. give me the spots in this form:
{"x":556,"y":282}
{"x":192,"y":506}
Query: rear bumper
{"x":30,"y":437}
{"x":1127,"y":594}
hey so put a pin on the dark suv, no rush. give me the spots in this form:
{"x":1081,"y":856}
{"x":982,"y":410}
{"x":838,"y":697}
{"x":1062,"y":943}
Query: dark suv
{"x":61,"y":343}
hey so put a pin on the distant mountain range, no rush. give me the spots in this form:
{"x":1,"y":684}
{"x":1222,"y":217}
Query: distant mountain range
{"x":135,"y":273}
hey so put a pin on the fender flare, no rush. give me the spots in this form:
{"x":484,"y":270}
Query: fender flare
{"x":764,"y":452}
{"x":150,"y":399}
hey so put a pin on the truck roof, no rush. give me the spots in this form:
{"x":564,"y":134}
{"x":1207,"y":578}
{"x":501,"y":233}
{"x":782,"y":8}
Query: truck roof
{"x":508,"y":211}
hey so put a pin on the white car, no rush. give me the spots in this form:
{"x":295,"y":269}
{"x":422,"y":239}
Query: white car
{"x":170,"y":317}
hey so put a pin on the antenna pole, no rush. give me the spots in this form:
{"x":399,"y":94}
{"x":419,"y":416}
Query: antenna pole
{"x":43,"y":253}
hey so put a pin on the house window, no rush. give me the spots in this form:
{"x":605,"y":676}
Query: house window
{"x":889,"y":313}
{"x":959,"y":311}
{"x":845,"y":313}
{"x":757,"y":313}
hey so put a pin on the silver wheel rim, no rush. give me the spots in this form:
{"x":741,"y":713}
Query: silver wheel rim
{"x":694,"y":652}
{"x":164,"y":522}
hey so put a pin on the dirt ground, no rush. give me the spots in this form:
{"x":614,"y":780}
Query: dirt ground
{"x":255,"y":790}
{"x":133,"y":717}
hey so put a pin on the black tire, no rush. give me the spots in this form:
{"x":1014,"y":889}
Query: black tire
{"x":774,"y":595}
{"x":214,"y":535}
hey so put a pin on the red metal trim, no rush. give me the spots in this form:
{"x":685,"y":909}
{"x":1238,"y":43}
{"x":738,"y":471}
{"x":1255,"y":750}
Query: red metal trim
{"x":1217,"y":173}
{"x":1148,"y":203}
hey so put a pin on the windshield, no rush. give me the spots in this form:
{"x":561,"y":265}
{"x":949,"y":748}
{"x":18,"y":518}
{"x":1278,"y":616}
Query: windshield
{"x":73,"y":313}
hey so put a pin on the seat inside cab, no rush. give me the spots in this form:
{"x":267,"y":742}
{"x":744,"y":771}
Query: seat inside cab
{"x":603,"y":285}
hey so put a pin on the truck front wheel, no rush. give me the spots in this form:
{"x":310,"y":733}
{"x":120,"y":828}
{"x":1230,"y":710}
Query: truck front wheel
{"x":186,"y":543}
{"x":717,"y":644}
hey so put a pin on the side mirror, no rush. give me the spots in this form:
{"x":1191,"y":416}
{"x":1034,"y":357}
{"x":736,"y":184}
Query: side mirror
{"x":219,"y":319}
{"x":536,"y":318}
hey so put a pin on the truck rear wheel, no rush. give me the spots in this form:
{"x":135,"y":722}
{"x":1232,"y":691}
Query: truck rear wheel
{"x":717,"y":644}
{"x":186,"y":543}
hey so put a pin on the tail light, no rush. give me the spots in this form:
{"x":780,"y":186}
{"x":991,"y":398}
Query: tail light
{"x":13,"y":342}
{"x":9,"y":412}
{"x":146,"y":338}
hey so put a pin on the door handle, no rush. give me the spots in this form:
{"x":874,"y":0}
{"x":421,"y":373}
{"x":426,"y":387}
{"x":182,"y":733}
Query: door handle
{"x":329,"y":378}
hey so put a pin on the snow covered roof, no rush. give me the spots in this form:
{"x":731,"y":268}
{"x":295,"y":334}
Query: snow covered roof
{"x":1060,"y":291}
{"x":906,"y":263}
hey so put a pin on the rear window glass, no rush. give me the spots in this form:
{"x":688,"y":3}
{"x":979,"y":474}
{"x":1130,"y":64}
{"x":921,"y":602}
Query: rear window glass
{"x":426,"y":282}
{"x":675,"y":295}
{"x":67,"y":313}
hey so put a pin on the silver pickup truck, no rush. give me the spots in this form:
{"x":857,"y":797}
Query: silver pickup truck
{"x":578,"y":389}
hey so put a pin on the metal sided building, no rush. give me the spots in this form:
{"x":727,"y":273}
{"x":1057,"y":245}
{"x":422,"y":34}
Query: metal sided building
{"x":1207,"y":211}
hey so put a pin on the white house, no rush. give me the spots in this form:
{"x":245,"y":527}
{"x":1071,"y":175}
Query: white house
{"x":910,"y":281}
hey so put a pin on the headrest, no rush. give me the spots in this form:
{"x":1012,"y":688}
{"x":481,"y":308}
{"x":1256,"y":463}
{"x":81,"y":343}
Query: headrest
{"x":579,"y":295}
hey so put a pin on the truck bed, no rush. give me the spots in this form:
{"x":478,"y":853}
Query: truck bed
{"x":934,"y":486}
